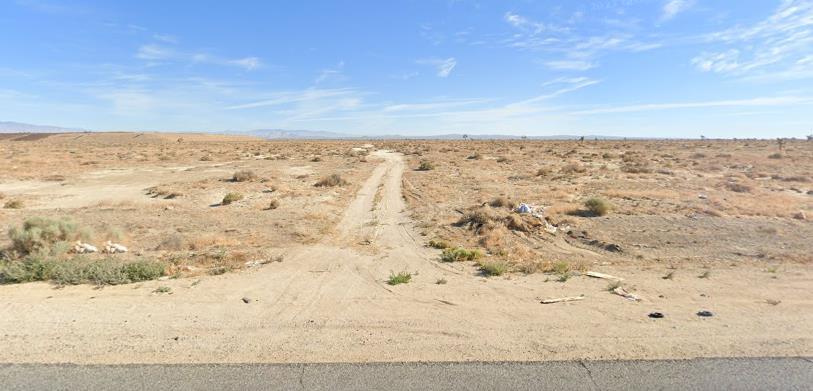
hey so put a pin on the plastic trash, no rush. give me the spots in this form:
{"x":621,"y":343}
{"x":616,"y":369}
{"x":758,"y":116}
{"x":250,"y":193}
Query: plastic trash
{"x":524,"y":208}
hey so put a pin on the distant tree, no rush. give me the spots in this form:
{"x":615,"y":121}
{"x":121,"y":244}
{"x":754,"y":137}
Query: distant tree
{"x":702,"y":137}
{"x":781,"y":143}
{"x":810,"y":137}
{"x":465,"y":136}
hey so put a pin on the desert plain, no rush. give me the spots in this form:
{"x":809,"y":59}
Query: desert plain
{"x":248,"y":250}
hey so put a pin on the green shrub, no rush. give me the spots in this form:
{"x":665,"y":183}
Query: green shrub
{"x":439,"y":244}
{"x":44,"y":236}
{"x":597,"y":206}
{"x":399,"y":278}
{"x":79,"y":271}
{"x":230,"y":198}
{"x":426,"y":166}
{"x":494,"y":268}
{"x":460,"y":254}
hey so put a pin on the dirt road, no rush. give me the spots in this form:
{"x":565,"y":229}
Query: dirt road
{"x":330,"y":302}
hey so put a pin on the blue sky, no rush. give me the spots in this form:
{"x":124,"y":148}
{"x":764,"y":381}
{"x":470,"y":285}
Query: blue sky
{"x":658,"y":68}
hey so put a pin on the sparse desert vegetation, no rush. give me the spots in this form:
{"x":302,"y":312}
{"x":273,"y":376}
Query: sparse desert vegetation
{"x":491,"y":231}
{"x":159,"y":197}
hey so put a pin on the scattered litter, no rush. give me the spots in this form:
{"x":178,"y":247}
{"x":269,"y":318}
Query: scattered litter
{"x":562,"y":299}
{"x":525,"y":208}
{"x":254,"y":263}
{"x":702,"y":196}
{"x":246,"y":300}
{"x":602,"y":275}
{"x":114,"y":248}
{"x":655,"y":315}
{"x":620,"y":291}
{"x":84,"y":248}
{"x":705,"y":313}
{"x":538,"y":212}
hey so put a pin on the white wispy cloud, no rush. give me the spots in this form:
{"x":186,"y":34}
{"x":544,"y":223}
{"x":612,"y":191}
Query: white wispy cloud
{"x":569,"y":47}
{"x":334,"y":73}
{"x":165,"y":38}
{"x":289,"y":97}
{"x":443,"y":67}
{"x":247,"y":63}
{"x":570,"y":65}
{"x":764,"y":101}
{"x":154,"y":52}
{"x":772,"y":47}
{"x":674,"y":7}
{"x":428,"y":106}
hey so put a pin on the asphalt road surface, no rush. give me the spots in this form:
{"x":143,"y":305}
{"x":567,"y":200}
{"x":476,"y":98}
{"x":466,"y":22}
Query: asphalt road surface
{"x":697,"y":374}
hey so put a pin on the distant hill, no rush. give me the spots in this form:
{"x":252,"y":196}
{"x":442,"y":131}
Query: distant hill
{"x":18,"y":127}
{"x":284,"y":134}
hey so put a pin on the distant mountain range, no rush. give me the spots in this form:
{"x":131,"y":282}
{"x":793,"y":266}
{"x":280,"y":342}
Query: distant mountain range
{"x":18,"y":127}
{"x":286,"y":134}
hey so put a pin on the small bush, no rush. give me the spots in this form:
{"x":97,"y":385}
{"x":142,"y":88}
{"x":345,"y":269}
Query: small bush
{"x":331,"y":181}
{"x":542,"y":172}
{"x":475,"y":156}
{"x":474,"y":220}
{"x":502,"y":159}
{"x":13,"y":204}
{"x":426,"y":166}
{"x":244,"y":176}
{"x":43,"y":236}
{"x":502,"y":202}
{"x":560,"y":267}
{"x":573,"y":168}
{"x":494,"y":268}
{"x":775,"y":155}
{"x":441,"y":281}
{"x":274,"y":204}
{"x":230,"y":198}
{"x":400,"y":278}
{"x":460,"y":254}
{"x":162,"y":289}
{"x":738,"y":187}
{"x":439,"y":244}
{"x":636,"y":168}
{"x":597,"y":206}
{"x":79,"y":271}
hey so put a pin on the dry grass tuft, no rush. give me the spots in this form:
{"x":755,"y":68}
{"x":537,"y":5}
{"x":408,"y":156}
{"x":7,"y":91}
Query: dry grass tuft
{"x":331,"y":181}
{"x":244,"y":176}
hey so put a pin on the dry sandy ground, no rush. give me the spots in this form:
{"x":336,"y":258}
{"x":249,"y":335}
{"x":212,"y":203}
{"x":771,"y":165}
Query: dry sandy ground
{"x":329,"y":301}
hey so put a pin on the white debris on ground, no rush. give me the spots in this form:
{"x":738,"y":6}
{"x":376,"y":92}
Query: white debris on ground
{"x":114,"y":248}
{"x":538,"y":212}
{"x":84,"y":248}
{"x":620,"y":291}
